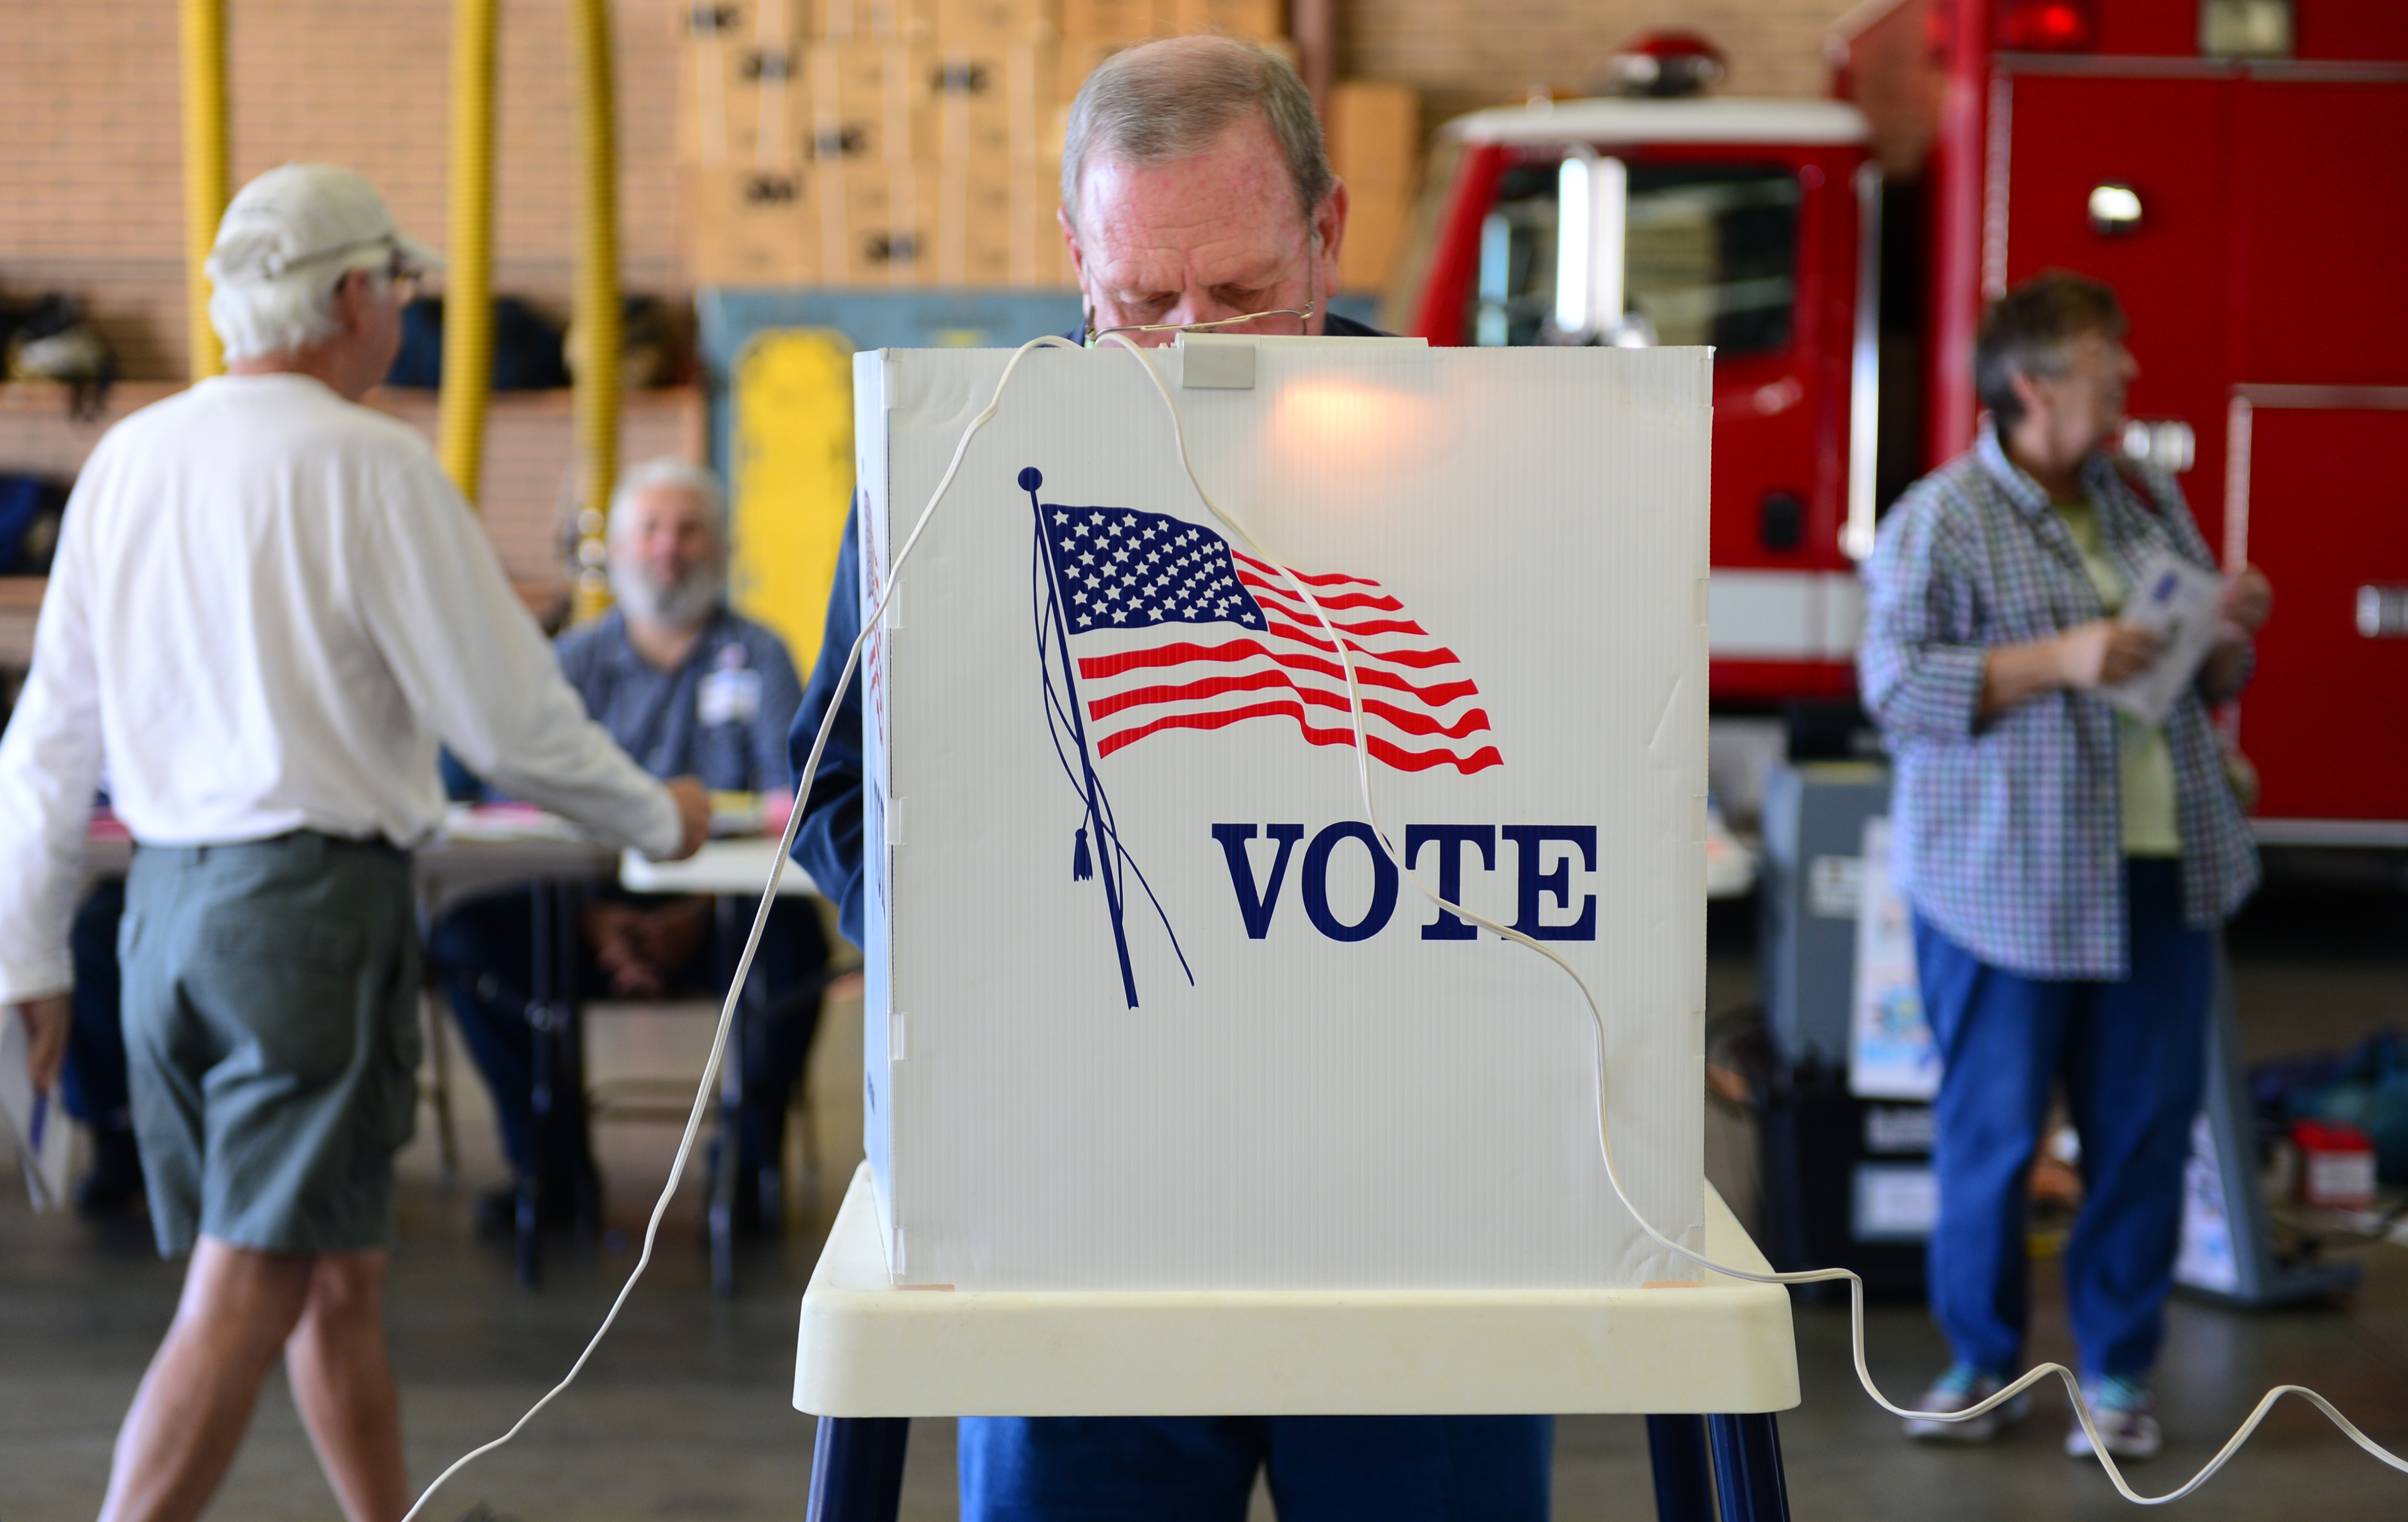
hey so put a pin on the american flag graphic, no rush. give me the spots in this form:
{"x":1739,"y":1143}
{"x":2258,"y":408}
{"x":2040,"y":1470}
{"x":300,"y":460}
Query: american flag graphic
{"x":1172,"y":628}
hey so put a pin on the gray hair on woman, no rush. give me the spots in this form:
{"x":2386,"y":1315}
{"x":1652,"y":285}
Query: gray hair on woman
{"x":1164,"y":101}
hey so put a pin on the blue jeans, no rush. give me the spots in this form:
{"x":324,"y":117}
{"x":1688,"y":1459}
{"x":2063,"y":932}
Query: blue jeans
{"x":1202,"y":1468}
{"x":2133,"y":1055}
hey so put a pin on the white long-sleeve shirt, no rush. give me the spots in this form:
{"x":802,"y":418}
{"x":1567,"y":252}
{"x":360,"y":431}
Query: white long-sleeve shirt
{"x":266,"y":606}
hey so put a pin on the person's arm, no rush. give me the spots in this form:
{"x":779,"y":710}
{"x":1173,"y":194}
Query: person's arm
{"x":827,"y":843}
{"x":2248,"y":600}
{"x":1921,"y":673}
{"x":50,"y":771}
{"x":469,"y":658}
{"x":2098,"y":653}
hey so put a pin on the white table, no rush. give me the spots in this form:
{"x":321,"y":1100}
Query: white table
{"x":869,"y":1352}
{"x":737,"y":868}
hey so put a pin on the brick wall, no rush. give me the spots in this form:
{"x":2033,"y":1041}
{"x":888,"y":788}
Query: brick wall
{"x":91,"y":189}
{"x":1464,"y":54}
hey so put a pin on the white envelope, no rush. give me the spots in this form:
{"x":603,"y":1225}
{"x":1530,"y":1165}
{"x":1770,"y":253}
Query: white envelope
{"x":38,"y":1123}
{"x":2176,"y":601}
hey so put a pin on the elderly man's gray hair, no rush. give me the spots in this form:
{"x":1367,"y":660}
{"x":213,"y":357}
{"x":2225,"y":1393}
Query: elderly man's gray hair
{"x":291,"y":311}
{"x":1165,"y":101}
{"x":668,"y":470}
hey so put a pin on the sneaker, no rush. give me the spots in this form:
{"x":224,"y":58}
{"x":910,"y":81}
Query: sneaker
{"x":2126,"y":1419}
{"x":1962,"y":1387}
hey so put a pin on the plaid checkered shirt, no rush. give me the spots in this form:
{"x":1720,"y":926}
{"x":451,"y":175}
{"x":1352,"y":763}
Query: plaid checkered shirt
{"x":2008,"y":830}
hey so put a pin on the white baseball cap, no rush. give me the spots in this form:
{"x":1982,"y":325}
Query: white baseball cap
{"x":305,"y":214}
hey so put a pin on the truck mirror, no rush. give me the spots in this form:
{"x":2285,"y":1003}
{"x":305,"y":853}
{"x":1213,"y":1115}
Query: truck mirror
{"x":1591,"y":197}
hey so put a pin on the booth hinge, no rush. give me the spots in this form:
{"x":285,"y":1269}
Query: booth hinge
{"x":897,"y":1043}
{"x":1209,"y":363}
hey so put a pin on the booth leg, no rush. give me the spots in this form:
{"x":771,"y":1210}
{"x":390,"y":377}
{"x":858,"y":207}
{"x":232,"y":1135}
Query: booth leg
{"x":857,"y":1468}
{"x":1747,"y":1468}
{"x":1684,"y":1488}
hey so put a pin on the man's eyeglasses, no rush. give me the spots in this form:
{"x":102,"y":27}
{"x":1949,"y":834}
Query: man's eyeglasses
{"x":403,"y":278}
{"x":1304,"y":320}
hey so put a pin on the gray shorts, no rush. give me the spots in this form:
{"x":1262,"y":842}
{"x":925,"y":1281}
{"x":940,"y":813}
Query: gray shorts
{"x":271,"y":1032}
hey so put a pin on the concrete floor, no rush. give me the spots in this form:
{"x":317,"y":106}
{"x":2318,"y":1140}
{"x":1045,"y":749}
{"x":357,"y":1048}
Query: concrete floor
{"x":685,"y":1414}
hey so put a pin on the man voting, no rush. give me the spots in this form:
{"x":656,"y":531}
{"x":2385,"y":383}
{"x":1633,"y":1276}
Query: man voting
{"x":1196,"y":190}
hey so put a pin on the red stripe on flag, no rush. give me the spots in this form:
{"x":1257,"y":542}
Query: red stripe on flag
{"x":1438,"y":694}
{"x":1411,"y":721}
{"x":1419,"y":659}
{"x":1385,"y":751}
{"x":1334,"y":579}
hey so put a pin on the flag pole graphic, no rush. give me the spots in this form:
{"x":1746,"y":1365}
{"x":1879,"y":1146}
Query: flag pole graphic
{"x":1107,"y":840}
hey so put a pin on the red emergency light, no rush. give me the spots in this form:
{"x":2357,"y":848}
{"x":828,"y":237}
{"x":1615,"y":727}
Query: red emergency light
{"x":1668,"y":61}
{"x":2047,"y":26}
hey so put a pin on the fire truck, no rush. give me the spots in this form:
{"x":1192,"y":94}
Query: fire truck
{"x":2237,"y":169}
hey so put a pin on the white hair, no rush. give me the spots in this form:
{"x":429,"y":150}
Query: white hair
{"x":687,"y":601}
{"x":685,"y":476}
{"x":290,"y":312}
{"x":1160,"y":102}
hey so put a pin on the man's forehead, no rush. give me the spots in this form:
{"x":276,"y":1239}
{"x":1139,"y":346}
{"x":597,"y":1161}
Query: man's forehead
{"x":1222,"y":216}
{"x":668,"y":499}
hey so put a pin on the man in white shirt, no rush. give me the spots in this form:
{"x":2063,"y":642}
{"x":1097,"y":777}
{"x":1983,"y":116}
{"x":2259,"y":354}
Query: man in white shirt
{"x":267,"y":607}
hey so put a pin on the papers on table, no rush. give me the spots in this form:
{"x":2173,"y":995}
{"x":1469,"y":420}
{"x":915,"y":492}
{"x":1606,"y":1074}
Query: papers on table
{"x":38,"y":1123}
{"x":2176,"y":601}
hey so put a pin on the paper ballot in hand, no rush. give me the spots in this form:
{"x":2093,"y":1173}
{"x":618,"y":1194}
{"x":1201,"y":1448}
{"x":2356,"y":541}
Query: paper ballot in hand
{"x":2176,"y":601}
{"x":37,"y":1121}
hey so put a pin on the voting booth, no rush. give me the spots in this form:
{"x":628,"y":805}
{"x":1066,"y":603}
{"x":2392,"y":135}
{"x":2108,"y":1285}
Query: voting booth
{"x":1146,"y":1008}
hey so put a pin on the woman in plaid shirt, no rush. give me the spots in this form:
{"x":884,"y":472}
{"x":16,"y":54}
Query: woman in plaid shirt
{"x":2067,"y":863}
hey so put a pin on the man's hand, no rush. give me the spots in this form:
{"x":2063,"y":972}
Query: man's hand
{"x":2248,"y":598}
{"x":2103,"y":653}
{"x":617,"y":933}
{"x":47,"y":1020}
{"x":693,"y":814}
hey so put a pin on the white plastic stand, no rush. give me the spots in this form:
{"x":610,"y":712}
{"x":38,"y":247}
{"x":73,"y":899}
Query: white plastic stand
{"x":869,"y":1350}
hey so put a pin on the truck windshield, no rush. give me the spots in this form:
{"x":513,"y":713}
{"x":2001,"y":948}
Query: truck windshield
{"x":1710,"y":256}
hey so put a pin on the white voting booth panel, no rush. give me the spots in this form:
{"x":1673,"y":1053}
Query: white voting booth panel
{"x":1145,"y":1008}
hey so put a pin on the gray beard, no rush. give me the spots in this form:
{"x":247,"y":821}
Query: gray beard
{"x":683,"y":604}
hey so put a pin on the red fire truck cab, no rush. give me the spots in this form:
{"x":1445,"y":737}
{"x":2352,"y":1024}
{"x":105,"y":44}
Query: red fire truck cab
{"x":2237,"y":169}
{"x":1747,"y":224}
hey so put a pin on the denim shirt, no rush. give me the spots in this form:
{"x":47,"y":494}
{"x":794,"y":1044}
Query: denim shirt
{"x":2007,"y":829}
{"x":720,"y":716}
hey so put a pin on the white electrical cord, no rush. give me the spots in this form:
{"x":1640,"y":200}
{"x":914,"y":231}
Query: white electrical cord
{"x":1363,"y":779}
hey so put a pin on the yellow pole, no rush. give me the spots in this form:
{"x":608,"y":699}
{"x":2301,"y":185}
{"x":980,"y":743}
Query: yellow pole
{"x":468,"y":263}
{"x":204,"y":171}
{"x":597,"y":301}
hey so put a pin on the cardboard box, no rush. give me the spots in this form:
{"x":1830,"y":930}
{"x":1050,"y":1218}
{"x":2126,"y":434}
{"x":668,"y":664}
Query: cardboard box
{"x":758,"y":23}
{"x":1261,"y":20}
{"x":742,"y":103}
{"x":1377,"y":223}
{"x":873,"y":21}
{"x":1040,"y":259}
{"x":748,"y":225}
{"x":1094,"y":19}
{"x":977,"y":24}
{"x":997,"y":229}
{"x":1210,"y":1044}
{"x":876,"y":224}
{"x":869,"y":103}
{"x":1375,"y":134}
{"x":990,"y":107}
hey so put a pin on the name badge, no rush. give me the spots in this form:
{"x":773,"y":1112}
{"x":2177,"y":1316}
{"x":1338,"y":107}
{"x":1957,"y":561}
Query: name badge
{"x":730,"y":695}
